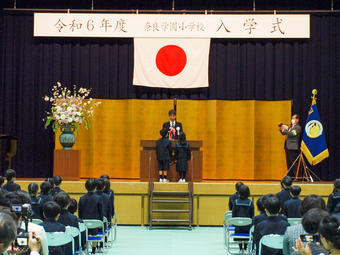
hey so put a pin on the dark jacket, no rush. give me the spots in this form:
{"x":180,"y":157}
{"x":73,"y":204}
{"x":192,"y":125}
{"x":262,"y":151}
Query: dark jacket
{"x":333,"y":204}
{"x":284,"y":195}
{"x":291,"y":207}
{"x":272,"y":225}
{"x":292,"y":137}
{"x":232,"y":199}
{"x":44,"y":198}
{"x":58,"y":190}
{"x":259,"y":218}
{"x":10,"y":186}
{"x":243,"y":208}
{"x":36,"y":205}
{"x":68,"y":219}
{"x":163,"y":149}
{"x":50,"y":225}
{"x":182,"y":155}
{"x":111,"y":196}
{"x":166,"y":126}
{"x":105,"y":204}
{"x":90,"y":207}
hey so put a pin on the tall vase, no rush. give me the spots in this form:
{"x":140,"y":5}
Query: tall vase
{"x":67,"y":138}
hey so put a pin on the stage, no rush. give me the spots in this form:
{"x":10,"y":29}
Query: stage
{"x":209,"y":204}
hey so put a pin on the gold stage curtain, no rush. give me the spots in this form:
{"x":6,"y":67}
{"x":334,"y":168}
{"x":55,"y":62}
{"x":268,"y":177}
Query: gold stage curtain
{"x":240,"y":138}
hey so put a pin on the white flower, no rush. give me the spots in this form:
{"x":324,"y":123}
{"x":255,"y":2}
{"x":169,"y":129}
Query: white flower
{"x":70,"y":119}
{"x":69,"y":109}
{"x":46,"y":98}
{"x":63,"y":117}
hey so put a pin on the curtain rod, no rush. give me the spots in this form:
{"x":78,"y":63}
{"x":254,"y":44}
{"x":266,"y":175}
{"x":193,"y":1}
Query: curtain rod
{"x":169,"y":11}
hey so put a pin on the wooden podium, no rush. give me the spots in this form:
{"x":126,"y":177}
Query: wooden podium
{"x":148,"y":159}
{"x":67,"y":164}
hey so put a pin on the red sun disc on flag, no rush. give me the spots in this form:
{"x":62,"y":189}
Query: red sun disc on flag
{"x":171,"y":60}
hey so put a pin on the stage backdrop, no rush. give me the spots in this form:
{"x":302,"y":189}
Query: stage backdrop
{"x":240,"y":138}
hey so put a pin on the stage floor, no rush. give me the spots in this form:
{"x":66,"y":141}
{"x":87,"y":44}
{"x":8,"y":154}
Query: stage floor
{"x":210,"y":198}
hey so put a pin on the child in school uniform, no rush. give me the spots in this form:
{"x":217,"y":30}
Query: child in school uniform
{"x":163,"y":150}
{"x":11,"y":186}
{"x":36,"y":201}
{"x":291,"y":206}
{"x":57,"y":182}
{"x":91,"y":207}
{"x":182,"y":155}
{"x":51,"y":211}
{"x":45,"y":195}
{"x":243,"y":207}
{"x":333,"y":204}
{"x":109,"y":193}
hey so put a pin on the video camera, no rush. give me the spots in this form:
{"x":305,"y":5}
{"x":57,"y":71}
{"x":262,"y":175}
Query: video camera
{"x":25,"y":211}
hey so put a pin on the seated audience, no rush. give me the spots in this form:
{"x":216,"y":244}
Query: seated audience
{"x":10,"y":177}
{"x":291,"y":206}
{"x":51,"y":181}
{"x":234,"y":196}
{"x":57,"y":183}
{"x":243,"y":207}
{"x":260,"y":206}
{"x":73,"y":207}
{"x":293,"y":232}
{"x":333,"y":203}
{"x":100,"y":185}
{"x":274,"y":224}
{"x":91,"y":207}
{"x":36,"y":201}
{"x":51,"y":211}
{"x":109,"y":192}
{"x":20,"y":198}
{"x":66,"y":218}
{"x":284,"y":194}
{"x":329,"y":237}
{"x":45,"y":195}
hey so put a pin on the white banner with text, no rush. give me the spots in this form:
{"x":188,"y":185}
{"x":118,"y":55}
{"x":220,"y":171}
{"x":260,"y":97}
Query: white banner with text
{"x":171,"y":25}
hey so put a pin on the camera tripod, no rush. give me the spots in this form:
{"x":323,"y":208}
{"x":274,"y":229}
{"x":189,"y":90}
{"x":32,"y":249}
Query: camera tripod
{"x":307,"y":174}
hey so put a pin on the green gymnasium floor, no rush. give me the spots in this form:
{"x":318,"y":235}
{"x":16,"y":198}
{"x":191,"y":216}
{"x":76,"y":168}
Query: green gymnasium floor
{"x":141,"y":240}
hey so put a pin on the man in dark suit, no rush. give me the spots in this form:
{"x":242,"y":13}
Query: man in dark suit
{"x":292,"y":142}
{"x":10,"y":185}
{"x":173,"y":123}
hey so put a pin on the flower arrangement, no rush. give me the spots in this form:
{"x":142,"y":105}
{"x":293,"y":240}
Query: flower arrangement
{"x":69,"y":107}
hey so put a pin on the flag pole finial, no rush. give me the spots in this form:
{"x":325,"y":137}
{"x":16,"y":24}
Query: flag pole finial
{"x":314,"y":92}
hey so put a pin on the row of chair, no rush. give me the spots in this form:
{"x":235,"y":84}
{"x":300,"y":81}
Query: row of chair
{"x":107,"y":236}
{"x":231,"y":239}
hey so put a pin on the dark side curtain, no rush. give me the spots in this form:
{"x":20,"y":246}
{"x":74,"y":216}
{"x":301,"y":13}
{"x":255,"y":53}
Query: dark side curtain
{"x":239,"y":69}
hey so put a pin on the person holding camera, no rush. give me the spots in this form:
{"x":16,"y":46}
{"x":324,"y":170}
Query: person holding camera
{"x":292,"y":143}
{"x":329,"y":230}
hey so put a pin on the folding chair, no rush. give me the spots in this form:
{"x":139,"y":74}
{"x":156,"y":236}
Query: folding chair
{"x":294,"y":221}
{"x":251,"y":240}
{"x":94,"y":224}
{"x":74,"y":232}
{"x":55,"y":239}
{"x":227,"y":216}
{"x":272,"y":241}
{"x":82,"y":228}
{"x":232,"y":238}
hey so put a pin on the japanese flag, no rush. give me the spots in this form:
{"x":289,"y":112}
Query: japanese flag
{"x":171,"y":62}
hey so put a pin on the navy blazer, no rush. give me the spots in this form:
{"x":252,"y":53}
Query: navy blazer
{"x":105,"y":204}
{"x":333,"y":204}
{"x":258,"y":218}
{"x":284,"y":195}
{"x":10,"y":186}
{"x":44,"y":198}
{"x":291,"y":207}
{"x":163,"y":149}
{"x":232,"y":199}
{"x":36,"y":204}
{"x":58,"y":190}
{"x":111,"y":196}
{"x":271,"y":225}
{"x":50,"y":225}
{"x":90,"y":207}
{"x":68,"y":219}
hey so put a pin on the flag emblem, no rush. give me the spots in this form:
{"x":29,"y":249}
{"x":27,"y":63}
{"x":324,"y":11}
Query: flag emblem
{"x":171,"y":60}
{"x":314,"y":129}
